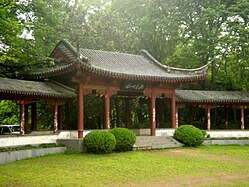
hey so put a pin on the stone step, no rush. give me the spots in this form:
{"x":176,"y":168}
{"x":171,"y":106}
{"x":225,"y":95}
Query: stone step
{"x":156,"y":142}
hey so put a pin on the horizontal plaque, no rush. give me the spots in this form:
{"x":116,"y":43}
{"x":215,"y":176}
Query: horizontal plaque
{"x":132,"y":86}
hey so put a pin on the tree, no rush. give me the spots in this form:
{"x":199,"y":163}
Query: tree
{"x":12,"y":25}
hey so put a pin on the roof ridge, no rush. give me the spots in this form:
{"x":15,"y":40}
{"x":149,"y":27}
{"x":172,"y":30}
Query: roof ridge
{"x":111,"y":52}
{"x":64,"y":41}
{"x":62,"y":85}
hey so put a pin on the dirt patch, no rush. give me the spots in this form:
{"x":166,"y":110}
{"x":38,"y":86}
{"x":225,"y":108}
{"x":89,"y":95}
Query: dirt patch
{"x":198,"y":154}
{"x":221,"y":180}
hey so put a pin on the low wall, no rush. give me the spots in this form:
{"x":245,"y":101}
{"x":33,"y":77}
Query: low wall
{"x":27,"y":140}
{"x":141,"y":132}
{"x":228,"y":133}
{"x":72,"y":144}
{"x":71,"y":134}
{"x":165,"y":132}
{"x":211,"y":133}
{"x":38,"y":138}
{"x":12,"y":156}
{"x":226,"y":142}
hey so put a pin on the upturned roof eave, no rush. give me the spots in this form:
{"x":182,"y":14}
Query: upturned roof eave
{"x":187,"y":75}
{"x":111,"y":74}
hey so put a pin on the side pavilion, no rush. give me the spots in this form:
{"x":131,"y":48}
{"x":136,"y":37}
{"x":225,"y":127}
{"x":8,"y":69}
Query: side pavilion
{"x":27,"y":93}
{"x":115,"y":74}
{"x":237,"y":100}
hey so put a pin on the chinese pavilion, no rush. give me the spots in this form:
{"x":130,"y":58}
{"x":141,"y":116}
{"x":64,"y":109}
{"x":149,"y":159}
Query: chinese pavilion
{"x":111,"y":74}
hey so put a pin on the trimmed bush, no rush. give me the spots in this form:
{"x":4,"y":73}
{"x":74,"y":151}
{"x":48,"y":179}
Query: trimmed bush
{"x":99,"y":142}
{"x":204,"y":133}
{"x":125,"y":139}
{"x":189,"y":135}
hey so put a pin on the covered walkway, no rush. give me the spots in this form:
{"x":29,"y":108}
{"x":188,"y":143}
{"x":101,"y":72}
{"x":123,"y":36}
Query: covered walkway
{"x":28,"y":93}
{"x":208,"y":100}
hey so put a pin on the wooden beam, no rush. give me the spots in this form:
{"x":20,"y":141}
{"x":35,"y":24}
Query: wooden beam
{"x":53,"y":101}
{"x":206,"y":106}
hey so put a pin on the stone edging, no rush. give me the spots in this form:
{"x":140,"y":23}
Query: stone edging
{"x":12,"y":156}
{"x":226,"y":142}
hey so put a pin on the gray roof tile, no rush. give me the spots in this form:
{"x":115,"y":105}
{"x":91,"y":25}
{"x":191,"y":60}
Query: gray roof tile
{"x":202,"y":96}
{"x":14,"y":87}
{"x":119,"y":65}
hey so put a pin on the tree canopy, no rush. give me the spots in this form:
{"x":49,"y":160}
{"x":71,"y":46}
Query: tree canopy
{"x":181,"y":33}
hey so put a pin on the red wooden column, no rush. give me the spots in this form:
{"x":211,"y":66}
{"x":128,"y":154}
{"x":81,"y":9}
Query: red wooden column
{"x":242,"y":119}
{"x":127,"y":113}
{"x":191,"y":115}
{"x":60,"y":117}
{"x":177,"y":117}
{"x":56,"y":117}
{"x":226,"y":119}
{"x":80,"y":110}
{"x":107,"y":109}
{"x":26,"y":118}
{"x":208,"y":118}
{"x":173,"y":110}
{"x":152,"y":114}
{"x":22,"y":118}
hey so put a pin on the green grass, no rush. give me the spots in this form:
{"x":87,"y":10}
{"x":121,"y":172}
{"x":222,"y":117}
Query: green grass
{"x":203,"y":166}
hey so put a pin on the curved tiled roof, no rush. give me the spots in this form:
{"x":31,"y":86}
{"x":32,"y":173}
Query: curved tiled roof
{"x":119,"y":66}
{"x":201,"y":96}
{"x":34,"y":89}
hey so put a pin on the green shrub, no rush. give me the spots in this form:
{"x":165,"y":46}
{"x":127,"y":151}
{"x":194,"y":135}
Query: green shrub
{"x":189,"y":135}
{"x":204,"y":133}
{"x":99,"y":142}
{"x":125,"y":139}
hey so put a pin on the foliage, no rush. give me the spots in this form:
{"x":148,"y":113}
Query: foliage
{"x":125,"y":139}
{"x":204,"y":133}
{"x":45,"y":116}
{"x":99,"y":142}
{"x":189,"y":135}
{"x":180,"y":33}
{"x":9,"y":113}
{"x":186,"y":34}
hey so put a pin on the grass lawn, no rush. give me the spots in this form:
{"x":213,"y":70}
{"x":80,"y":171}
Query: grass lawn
{"x":203,"y":166}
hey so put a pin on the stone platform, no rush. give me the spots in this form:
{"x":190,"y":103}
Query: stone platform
{"x":156,"y":142}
